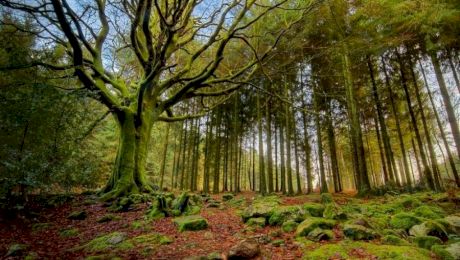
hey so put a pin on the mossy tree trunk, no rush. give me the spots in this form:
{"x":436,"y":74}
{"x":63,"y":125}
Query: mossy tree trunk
{"x":129,"y":175}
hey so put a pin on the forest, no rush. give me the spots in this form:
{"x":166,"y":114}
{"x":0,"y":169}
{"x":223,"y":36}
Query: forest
{"x":229,"y":129}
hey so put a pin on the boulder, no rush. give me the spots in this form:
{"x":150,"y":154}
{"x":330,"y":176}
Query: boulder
{"x":246,"y":249}
{"x":427,"y":241}
{"x":358,"y":232}
{"x":429,"y":212}
{"x":314,"y":209}
{"x":77,"y":215}
{"x":310,"y":224}
{"x":289,"y":226}
{"x":227,"y":197}
{"x":16,"y":250}
{"x":393,"y":240}
{"x":193,"y":222}
{"x":284,"y":213}
{"x":404,"y":221}
{"x":429,"y":228}
{"x":261,"y":207}
{"x":319,"y":234}
{"x":256,"y":222}
{"x":333,"y":211}
{"x":454,"y":223}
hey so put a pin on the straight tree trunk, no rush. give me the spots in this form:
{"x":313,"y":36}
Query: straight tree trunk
{"x":307,"y":150}
{"x":165,"y":152}
{"x":290,"y":187}
{"x":323,"y":182}
{"x":441,"y":130}
{"x":282,"y":158}
{"x":269,"y":148}
{"x":447,"y":103}
{"x":332,"y":148}
{"x":396,"y":116}
{"x":426,"y":171}
{"x":262,"y":186}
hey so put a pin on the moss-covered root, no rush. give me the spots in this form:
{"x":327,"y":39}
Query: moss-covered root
{"x":121,"y":190}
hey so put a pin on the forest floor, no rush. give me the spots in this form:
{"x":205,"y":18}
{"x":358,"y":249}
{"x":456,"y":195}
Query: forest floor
{"x":48,"y":233}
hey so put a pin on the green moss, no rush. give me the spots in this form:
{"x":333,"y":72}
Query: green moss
{"x":77,"y":215}
{"x":429,"y":212}
{"x":284,"y":213}
{"x":310,"y":224}
{"x":72,"y":232}
{"x":429,"y":228}
{"x":333,"y":211}
{"x":344,"y":249}
{"x":256,"y":222}
{"x":112,"y":241}
{"x":289,"y":226}
{"x":404,"y":221}
{"x":319,"y":234}
{"x":108,"y":218}
{"x":427,"y":241}
{"x":326,"y":198}
{"x":278,"y":242}
{"x":393,"y":240}
{"x":227,"y":196}
{"x":358,"y":232}
{"x":192,"y":210}
{"x":261,"y":207}
{"x":40,"y":226}
{"x":194,"y":222}
{"x":314,"y":209}
{"x":409,"y":202}
{"x":151,"y":240}
{"x":441,"y":252}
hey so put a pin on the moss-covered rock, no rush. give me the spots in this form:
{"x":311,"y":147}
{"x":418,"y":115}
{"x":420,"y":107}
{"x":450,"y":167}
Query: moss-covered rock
{"x":77,"y":215}
{"x":108,"y":218}
{"x":404,"y":221}
{"x":429,"y":228}
{"x":429,"y":212}
{"x":256,"y":222}
{"x":261,"y":207}
{"x":333,"y":211}
{"x":319,"y":234}
{"x":289,"y":226}
{"x":427,"y":241}
{"x":16,"y":250}
{"x":72,"y":232}
{"x":343,"y":249}
{"x":284,"y":213}
{"x":314,"y":209}
{"x":358,"y":232}
{"x":191,"y":223}
{"x":278,"y":242}
{"x":326,"y":198}
{"x":442,"y":253}
{"x":408,"y":202}
{"x":227,"y":196}
{"x":115,"y":240}
{"x":454,"y":223}
{"x":454,"y":250}
{"x":393,"y":240}
{"x":151,"y":239}
{"x":181,"y":202}
{"x":310,"y":224}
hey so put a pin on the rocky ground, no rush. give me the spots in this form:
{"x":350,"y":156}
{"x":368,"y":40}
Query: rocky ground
{"x":193,"y":226}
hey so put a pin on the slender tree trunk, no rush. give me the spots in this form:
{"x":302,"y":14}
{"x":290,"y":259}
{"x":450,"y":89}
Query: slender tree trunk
{"x":276,"y":160}
{"x":269,"y":148}
{"x":381,"y":152}
{"x":254,"y":160}
{"x":454,"y":71}
{"x":434,"y":164}
{"x":355,"y":126}
{"x":426,"y":171}
{"x":441,"y":130}
{"x":288,"y":148}
{"x":447,"y":103}
{"x":385,"y":137}
{"x":323,"y":181}
{"x":165,"y":152}
{"x":262,"y":186}
{"x":297,"y":164}
{"x":282,"y":158}
{"x":307,"y":150}
{"x":398,"y":124}
{"x":215,"y":188}
{"x":332,"y":148}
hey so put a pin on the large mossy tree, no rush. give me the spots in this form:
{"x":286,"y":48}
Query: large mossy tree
{"x":144,"y":59}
